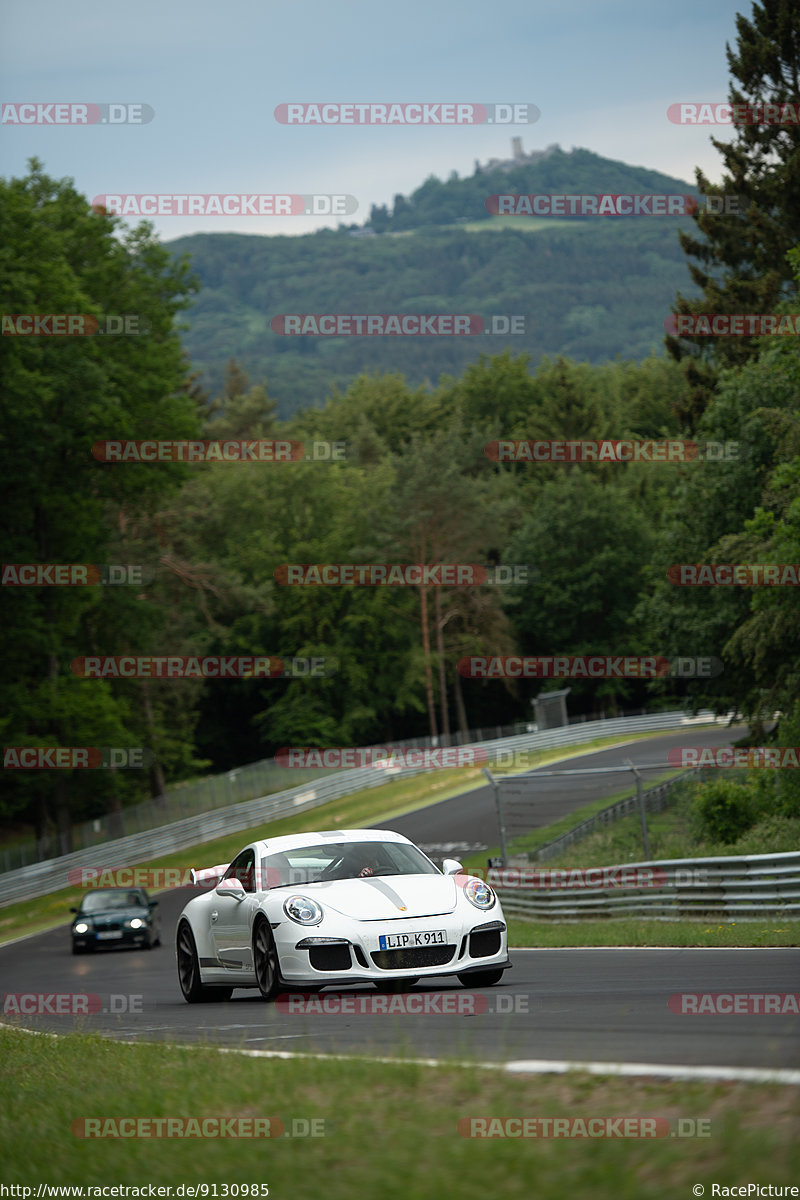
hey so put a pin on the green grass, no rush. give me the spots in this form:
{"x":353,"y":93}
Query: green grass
{"x":644,"y":931}
{"x":389,"y":1130}
{"x":671,"y":835}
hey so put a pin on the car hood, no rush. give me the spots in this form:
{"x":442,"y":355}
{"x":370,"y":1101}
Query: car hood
{"x":124,"y":914}
{"x":389,"y":897}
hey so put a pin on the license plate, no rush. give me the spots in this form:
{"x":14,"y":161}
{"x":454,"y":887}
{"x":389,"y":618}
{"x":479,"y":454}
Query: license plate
{"x":399,"y":941}
{"x":112,"y":933}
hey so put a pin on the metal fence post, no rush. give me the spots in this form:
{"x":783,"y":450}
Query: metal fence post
{"x":642,"y":811}
{"x":500,"y":819}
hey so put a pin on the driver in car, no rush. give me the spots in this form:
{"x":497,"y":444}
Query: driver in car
{"x":358,"y":862}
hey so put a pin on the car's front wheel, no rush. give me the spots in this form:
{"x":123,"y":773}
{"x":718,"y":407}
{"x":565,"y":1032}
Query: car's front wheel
{"x":480,"y":978}
{"x":265,"y":960}
{"x":194,"y":991}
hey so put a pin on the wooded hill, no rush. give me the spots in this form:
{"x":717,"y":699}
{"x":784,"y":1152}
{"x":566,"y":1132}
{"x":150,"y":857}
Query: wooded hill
{"x":590,"y":288}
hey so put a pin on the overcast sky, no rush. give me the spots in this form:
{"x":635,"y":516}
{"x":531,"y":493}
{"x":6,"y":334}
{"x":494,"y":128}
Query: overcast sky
{"x":602,"y":73}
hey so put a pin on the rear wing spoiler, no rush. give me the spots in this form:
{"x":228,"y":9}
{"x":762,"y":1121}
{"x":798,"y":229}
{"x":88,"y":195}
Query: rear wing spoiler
{"x":208,"y":875}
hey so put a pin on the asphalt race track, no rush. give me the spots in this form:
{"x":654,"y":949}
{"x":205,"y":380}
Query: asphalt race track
{"x":601,"y":1005}
{"x":586,"y":1005}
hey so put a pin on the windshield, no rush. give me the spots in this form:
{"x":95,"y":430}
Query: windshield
{"x":102,"y":901}
{"x":343,"y":860}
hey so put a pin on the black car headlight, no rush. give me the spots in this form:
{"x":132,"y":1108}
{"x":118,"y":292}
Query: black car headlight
{"x":302,"y":910}
{"x":479,"y":893}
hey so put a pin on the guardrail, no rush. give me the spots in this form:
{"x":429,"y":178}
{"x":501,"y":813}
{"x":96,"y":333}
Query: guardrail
{"x":739,"y":887}
{"x":50,"y":875}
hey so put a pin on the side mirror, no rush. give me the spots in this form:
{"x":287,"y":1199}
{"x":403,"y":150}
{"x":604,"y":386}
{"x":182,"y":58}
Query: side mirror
{"x":451,"y":866}
{"x":73,"y":910}
{"x":152,"y":904}
{"x":231,"y":887}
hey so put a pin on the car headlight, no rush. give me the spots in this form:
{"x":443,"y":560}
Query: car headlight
{"x":137,"y":923}
{"x":81,"y":927}
{"x":303,"y":910}
{"x":479,"y":893}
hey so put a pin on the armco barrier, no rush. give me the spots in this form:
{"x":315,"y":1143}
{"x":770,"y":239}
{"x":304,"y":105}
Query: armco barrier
{"x":739,"y":888}
{"x":38,"y":879}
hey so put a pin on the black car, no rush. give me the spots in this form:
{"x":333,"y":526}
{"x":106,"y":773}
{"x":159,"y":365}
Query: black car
{"x":116,"y":917}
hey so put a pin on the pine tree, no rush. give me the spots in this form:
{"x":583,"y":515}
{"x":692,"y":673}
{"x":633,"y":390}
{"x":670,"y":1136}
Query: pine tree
{"x":741,"y":260}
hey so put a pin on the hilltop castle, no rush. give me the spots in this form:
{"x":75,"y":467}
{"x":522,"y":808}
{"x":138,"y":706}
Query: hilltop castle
{"x":518,"y":159}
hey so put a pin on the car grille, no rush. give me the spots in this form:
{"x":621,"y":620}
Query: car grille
{"x":107,"y":923}
{"x":484,"y":942}
{"x":413,"y":956}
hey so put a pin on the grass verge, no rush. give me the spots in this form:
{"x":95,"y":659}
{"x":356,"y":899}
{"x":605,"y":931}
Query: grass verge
{"x":643,"y":931}
{"x":387,"y":1130}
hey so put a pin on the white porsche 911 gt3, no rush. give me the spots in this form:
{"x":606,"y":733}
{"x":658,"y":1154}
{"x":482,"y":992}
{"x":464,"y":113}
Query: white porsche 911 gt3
{"x":346,"y":906}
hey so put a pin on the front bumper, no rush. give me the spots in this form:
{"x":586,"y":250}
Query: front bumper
{"x":318,"y":957}
{"x":93,"y":941}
